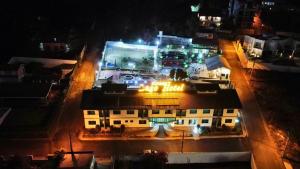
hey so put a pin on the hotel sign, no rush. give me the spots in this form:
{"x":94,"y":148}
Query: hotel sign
{"x":162,"y":87}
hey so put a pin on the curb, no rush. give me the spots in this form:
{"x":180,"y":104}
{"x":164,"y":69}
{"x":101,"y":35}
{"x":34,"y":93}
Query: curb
{"x":80,"y":137}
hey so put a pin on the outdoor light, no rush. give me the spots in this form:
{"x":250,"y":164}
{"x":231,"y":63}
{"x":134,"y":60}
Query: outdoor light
{"x":182,"y":47}
{"x":140,"y":40}
{"x":237,"y":120}
{"x":157,"y":42}
{"x":195,"y":130}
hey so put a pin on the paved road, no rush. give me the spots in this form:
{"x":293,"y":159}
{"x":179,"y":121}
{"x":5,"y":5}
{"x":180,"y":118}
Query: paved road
{"x":261,"y":143}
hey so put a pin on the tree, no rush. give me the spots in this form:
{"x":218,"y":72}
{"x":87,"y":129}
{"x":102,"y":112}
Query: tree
{"x":181,"y":74}
{"x":154,"y":160}
{"x":172,"y":73}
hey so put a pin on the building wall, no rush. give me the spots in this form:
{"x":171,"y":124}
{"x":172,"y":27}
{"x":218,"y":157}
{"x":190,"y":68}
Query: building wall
{"x":203,"y":117}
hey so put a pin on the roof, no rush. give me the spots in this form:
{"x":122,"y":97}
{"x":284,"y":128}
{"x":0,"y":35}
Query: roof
{"x":205,"y":42}
{"x":96,"y":99}
{"x":9,"y":67}
{"x":202,"y":87}
{"x":210,"y":12}
{"x":109,"y":87}
{"x":216,"y":62}
{"x":48,"y":63}
{"x":24,"y":90}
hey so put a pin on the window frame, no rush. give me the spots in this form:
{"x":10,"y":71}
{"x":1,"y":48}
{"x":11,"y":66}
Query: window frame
{"x":89,"y":112}
{"x":204,"y":121}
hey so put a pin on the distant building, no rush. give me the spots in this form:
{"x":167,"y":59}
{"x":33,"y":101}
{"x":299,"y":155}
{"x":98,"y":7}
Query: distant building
{"x":210,"y":18}
{"x":11,"y":72}
{"x":44,"y":70}
{"x":203,"y":105}
{"x":23,"y":94}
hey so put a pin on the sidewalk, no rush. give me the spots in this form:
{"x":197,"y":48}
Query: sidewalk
{"x":106,"y":138}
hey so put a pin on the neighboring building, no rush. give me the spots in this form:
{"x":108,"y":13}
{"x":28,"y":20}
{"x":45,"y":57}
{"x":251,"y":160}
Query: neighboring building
{"x":11,"y":72}
{"x":271,"y":46}
{"x":217,"y":67}
{"x":242,"y":12}
{"x":210,"y":18}
{"x":253,"y":45}
{"x":23,"y":94}
{"x":179,"y":104}
{"x":65,"y":65}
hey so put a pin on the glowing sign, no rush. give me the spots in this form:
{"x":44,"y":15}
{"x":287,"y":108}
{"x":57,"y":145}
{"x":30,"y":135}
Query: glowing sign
{"x":162,"y":87}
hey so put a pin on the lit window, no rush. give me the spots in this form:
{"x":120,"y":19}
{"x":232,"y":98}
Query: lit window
{"x":192,"y":121}
{"x":180,"y":121}
{"x":228,"y":120}
{"x":91,"y":112}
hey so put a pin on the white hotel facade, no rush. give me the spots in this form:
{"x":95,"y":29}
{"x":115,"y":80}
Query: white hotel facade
{"x":199,"y":104}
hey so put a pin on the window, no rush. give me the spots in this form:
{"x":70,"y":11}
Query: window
{"x":228,"y":120}
{"x":180,"y":112}
{"x":130,"y":111}
{"x":131,"y":121}
{"x":257,"y":45}
{"x":168,"y":112}
{"x":205,"y":120}
{"x":126,"y":121}
{"x":142,"y":122}
{"x":91,"y":112}
{"x":180,"y":121}
{"x":117,"y":112}
{"x":192,"y":121}
{"x":206,"y":111}
{"x":92,"y":122}
{"x":230,"y":110}
{"x":117,"y":121}
{"x":156,"y":111}
{"x":193,"y":111}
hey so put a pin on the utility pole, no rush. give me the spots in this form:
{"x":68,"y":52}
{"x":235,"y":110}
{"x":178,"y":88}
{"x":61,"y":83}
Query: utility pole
{"x":182,"y":141}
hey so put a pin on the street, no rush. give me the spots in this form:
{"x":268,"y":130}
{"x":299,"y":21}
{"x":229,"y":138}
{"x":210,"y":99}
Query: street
{"x":262,"y":146}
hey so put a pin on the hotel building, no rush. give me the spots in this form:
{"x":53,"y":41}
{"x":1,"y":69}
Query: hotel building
{"x":201,"y":104}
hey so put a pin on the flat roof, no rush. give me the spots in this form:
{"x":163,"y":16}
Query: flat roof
{"x":47,"y":62}
{"x":24,"y":90}
{"x":132,"y":99}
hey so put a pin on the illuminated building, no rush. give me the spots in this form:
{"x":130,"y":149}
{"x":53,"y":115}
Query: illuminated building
{"x":187,"y":105}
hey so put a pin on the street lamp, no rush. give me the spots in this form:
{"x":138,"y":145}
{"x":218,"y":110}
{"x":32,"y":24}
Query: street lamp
{"x":157,"y":42}
{"x":140,"y":40}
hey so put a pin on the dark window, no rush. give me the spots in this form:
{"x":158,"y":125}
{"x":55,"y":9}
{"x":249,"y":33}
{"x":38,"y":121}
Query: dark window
{"x":92,"y":122}
{"x":91,"y":112}
{"x":117,"y":122}
{"x":180,"y":112}
{"x":126,"y":121}
{"x":206,"y":111}
{"x":193,"y":111}
{"x":143,"y":113}
{"x":228,"y":120}
{"x":205,"y":120}
{"x":131,"y":121}
{"x":130,"y":111}
{"x":142,"y":122}
{"x":179,"y":121}
{"x":156,"y":111}
{"x":168,"y":112}
{"x":104,"y":113}
{"x":230,"y":110}
{"x":257,"y":45}
{"x":117,"y":112}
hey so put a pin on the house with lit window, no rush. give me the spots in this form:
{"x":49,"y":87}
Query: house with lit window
{"x":175,"y":103}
